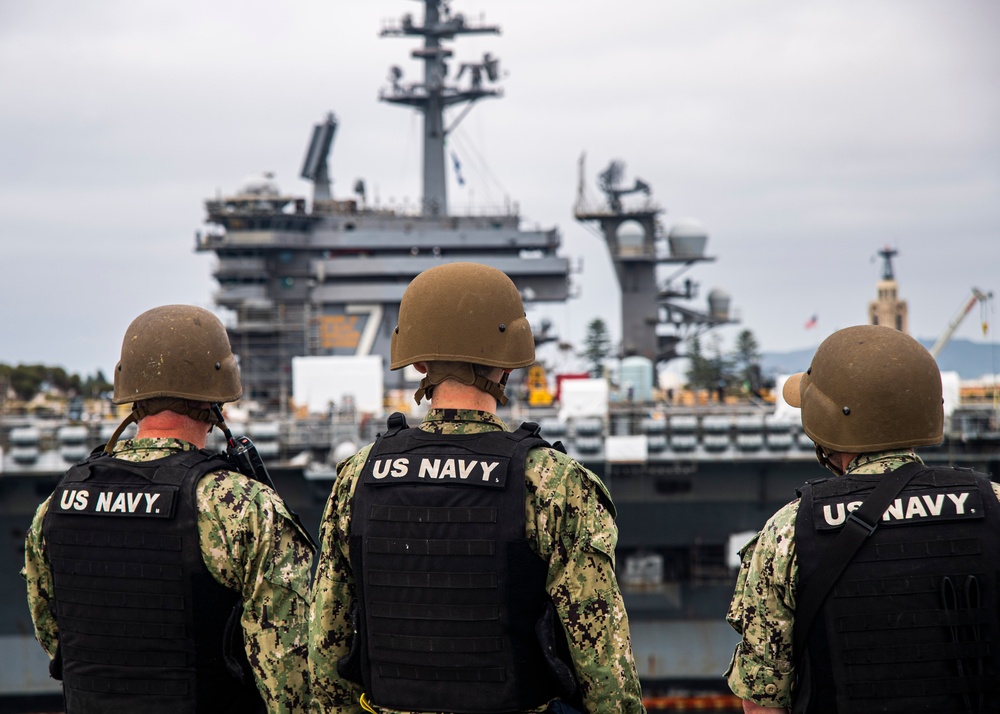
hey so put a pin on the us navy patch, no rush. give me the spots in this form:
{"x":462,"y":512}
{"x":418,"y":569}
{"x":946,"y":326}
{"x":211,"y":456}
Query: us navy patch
{"x":952,"y":505}
{"x":155,"y":502}
{"x":487,"y":472}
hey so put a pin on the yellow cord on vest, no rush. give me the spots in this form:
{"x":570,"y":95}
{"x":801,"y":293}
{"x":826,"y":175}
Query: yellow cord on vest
{"x":365,"y":705}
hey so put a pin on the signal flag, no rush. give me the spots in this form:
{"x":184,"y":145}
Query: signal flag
{"x":458,"y":169}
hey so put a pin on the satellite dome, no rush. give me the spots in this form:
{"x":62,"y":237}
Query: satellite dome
{"x":718,"y":304}
{"x":688,"y":228}
{"x":262,"y":184}
{"x":687,"y":239}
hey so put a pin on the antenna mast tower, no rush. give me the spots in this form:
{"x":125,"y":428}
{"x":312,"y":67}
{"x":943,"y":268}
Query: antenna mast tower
{"x":434,"y":94}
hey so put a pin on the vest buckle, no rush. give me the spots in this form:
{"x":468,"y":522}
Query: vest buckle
{"x":864,"y":525}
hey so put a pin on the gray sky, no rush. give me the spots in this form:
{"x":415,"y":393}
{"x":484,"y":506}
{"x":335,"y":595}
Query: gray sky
{"x":805,"y":136}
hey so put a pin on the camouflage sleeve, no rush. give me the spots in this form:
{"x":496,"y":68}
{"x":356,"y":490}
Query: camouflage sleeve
{"x":570,"y":519}
{"x":763,"y":611}
{"x":251,"y":543}
{"x":38,"y":578}
{"x":330,"y":627}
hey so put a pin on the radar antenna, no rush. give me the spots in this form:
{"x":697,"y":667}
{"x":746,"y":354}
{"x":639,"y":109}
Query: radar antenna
{"x":434,"y":94}
{"x":654,"y":321}
{"x":609,"y":182}
{"x":315,"y":167}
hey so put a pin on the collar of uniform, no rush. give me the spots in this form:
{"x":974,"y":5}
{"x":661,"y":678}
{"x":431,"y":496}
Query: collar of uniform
{"x":880,"y":462}
{"x":132,"y":446}
{"x":468,"y":416}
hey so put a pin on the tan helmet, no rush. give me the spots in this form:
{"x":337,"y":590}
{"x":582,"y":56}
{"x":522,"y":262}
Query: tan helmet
{"x":177,"y":351}
{"x":869,"y":388}
{"x":462,"y":312}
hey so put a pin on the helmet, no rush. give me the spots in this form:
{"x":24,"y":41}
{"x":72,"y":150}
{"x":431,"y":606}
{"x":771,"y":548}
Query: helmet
{"x":462,"y":314}
{"x":869,"y":388}
{"x":177,"y":351}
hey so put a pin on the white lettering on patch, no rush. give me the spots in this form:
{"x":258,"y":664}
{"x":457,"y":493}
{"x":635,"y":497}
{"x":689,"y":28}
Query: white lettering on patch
{"x":959,"y":501}
{"x":150,"y":500}
{"x":104,"y":501}
{"x":832,"y":514}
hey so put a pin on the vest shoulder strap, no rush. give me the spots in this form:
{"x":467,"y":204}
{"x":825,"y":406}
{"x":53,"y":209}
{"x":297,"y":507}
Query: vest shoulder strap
{"x":171,"y":470}
{"x":860,"y":524}
{"x":395,"y":423}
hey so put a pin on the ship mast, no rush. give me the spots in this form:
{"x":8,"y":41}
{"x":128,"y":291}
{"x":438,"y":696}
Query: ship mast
{"x":654,"y":322}
{"x":434,"y":94}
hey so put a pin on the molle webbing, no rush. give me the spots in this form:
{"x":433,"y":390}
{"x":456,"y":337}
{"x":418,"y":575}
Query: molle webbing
{"x":911,"y":625}
{"x":450,"y":591}
{"x":140,"y":617}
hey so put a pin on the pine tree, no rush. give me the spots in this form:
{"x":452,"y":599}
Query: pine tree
{"x":699,"y":372}
{"x":597,"y":346}
{"x":747,"y":358}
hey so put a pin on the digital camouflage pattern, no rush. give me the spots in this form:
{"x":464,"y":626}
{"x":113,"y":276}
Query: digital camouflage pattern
{"x":570,"y":524}
{"x":763,"y":605}
{"x":251,"y":544}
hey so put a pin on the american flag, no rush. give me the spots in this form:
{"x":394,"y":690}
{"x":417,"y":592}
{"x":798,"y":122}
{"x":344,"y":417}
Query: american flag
{"x":811,"y":322}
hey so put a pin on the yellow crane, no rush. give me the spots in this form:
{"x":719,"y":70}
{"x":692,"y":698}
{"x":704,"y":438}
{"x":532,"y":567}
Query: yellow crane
{"x":978,"y":296}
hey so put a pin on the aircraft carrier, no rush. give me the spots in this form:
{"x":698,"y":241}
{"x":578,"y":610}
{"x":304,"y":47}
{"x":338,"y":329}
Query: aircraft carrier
{"x":310,"y":287}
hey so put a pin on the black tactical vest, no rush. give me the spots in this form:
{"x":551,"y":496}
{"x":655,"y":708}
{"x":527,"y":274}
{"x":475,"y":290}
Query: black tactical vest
{"x":912,"y":624}
{"x":140,"y":617}
{"x":454,"y":614}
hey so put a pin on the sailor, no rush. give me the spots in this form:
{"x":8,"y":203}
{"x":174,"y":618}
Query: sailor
{"x":465,"y":567}
{"x":877,"y":589}
{"x":160,"y":579}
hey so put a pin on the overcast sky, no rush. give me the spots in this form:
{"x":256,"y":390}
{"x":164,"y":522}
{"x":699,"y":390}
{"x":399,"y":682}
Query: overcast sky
{"x":804,"y":135}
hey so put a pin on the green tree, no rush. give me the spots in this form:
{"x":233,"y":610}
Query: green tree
{"x":700,"y":372}
{"x":58,"y":377}
{"x":5,"y":382}
{"x":747,"y":359}
{"x":597,"y":346}
{"x":27,"y":380}
{"x":96,"y":385}
{"x":720,"y":368}
{"x":747,"y":349}
{"x":711,"y":370}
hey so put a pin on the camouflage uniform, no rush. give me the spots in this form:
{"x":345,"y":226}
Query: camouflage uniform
{"x":569,"y":522}
{"x":250,"y":544}
{"x":763,"y":606}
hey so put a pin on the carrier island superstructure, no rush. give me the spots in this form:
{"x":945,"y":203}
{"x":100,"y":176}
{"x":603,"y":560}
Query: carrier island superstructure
{"x":327,"y":279}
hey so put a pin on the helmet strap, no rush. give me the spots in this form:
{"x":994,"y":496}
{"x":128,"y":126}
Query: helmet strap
{"x":148,"y":407}
{"x":824,"y":460}
{"x":109,"y":448}
{"x":463,"y":373}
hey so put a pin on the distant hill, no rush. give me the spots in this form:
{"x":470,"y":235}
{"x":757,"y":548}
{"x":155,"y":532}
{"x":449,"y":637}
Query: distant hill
{"x":970,"y":359}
